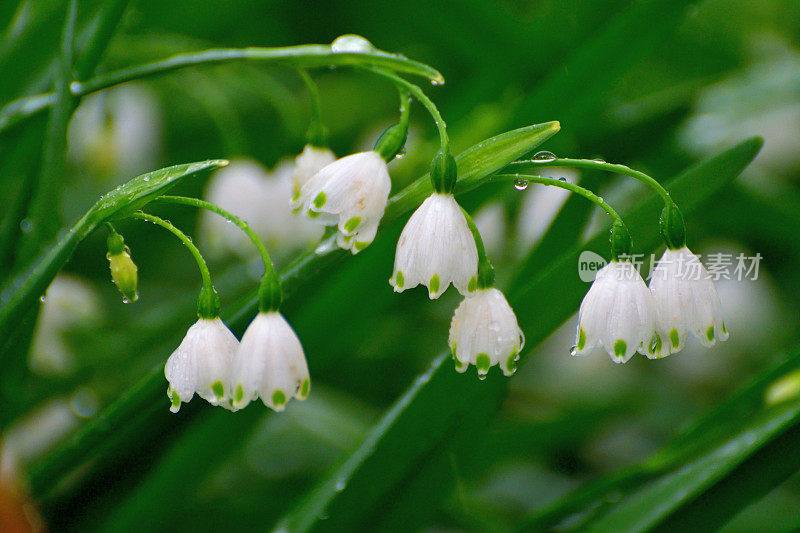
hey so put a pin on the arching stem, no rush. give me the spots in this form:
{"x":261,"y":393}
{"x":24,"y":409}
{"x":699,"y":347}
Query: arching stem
{"x":270,"y":280}
{"x":208,"y":302}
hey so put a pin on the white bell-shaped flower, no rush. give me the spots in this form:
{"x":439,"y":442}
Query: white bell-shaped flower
{"x":686,"y":300}
{"x":436,"y":248}
{"x":350,"y":193}
{"x":484,"y":332}
{"x":269,"y":364}
{"x":201,"y":364}
{"x":310,"y":161}
{"x":619,"y":314}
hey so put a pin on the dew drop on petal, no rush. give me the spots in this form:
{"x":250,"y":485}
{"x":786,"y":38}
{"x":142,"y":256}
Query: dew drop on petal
{"x":573,"y":350}
{"x":544,"y":156}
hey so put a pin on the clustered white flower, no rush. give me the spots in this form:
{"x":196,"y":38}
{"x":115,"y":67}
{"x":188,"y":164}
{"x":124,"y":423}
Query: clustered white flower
{"x":621,"y":314}
{"x":268,"y":363}
{"x":350,"y":193}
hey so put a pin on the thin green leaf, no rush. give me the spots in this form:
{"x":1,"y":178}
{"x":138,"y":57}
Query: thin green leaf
{"x":26,"y":288}
{"x":665,"y":497}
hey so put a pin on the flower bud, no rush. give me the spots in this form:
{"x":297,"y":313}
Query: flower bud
{"x":392,"y":141}
{"x":123,"y":269}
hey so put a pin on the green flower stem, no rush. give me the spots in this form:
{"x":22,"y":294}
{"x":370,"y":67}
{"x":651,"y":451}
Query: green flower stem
{"x":270,"y":281}
{"x":620,"y":236}
{"x":485,"y":268}
{"x":420,"y":95}
{"x":207,"y":293}
{"x":304,"y":56}
{"x":553,"y":182}
{"x":596,"y":165}
{"x":317,"y":134}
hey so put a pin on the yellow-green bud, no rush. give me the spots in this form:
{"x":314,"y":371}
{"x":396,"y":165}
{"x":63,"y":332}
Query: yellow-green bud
{"x":124,"y":273}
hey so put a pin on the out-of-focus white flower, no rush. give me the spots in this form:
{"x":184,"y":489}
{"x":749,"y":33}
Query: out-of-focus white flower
{"x":117,"y":133}
{"x":491,"y":223}
{"x":269,"y":364}
{"x":259,"y":198}
{"x":541,"y":205}
{"x":32,"y":436}
{"x":70,"y":302}
{"x":350,"y":193}
{"x":619,"y":314}
{"x":201,"y":364}
{"x":686,"y":300}
{"x":759,"y":100}
{"x":310,"y":161}
{"x":484,"y":332}
{"x":436,"y":248}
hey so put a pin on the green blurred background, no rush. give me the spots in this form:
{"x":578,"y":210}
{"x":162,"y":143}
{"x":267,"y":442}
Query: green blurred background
{"x":657,"y":85}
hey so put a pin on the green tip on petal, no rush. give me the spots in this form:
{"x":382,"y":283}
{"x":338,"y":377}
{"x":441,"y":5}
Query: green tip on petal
{"x":674,"y":338}
{"x":305,"y":387}
{"x":710,"y":333}
{"x":483,"y":362}
{"x":473,"y":284}
{"x":351,"y":224}
{"x":360,"y":245}
{"x":218,"y":389}
{"x":433,"y":284}
{"x":398,"y":279}
{"x":238,"y":394}
{"x":175,"y":398}
{"x":581,"y":339}
{"x":655,"y":343}
{"x":278,"y":398}
{"x":312,"y":213}
{"x":620,"y":347}
{"x":320,"y":200}
{"x":453,"y":351}
{"x":724,"y":329}
{"x":511,"y":362}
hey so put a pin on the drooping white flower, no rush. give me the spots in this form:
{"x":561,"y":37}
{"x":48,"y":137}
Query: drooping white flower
{"x":201,"y":364}
{"x":619,"y":314}
{"x":258,"y":197}
{"x":117,"y":133}
{"x":484,"y":332}
{"x":310,"y":161}
{"x":686,"y":300}
{"x":269,"y":364}
{"x":350,"y":193}
{"x":436,"y":248}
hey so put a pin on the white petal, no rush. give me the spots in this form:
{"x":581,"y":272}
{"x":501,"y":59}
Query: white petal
{"x":351,"y":193}
{"x":484,"y":326}
{"x":308,"y":163}
{"x":686,"y":299}
{"x":436,"y":248}
{"x":201,"y":363}
{"x":269,"y":364}
{"x":617,"y":313}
